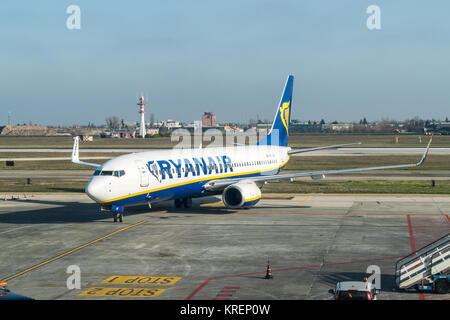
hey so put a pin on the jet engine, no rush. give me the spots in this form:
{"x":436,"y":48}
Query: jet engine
{"x":241,"y":194}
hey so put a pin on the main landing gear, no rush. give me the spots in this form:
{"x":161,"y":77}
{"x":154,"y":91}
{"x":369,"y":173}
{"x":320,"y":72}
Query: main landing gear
{"x":183,"y":202}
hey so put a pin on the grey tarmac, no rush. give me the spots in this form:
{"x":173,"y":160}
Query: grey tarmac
{"x":210,"y":252}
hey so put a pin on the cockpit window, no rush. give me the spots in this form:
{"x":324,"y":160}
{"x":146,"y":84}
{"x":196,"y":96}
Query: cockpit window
{"x":119,"y":173}
{"x":115,"y":173}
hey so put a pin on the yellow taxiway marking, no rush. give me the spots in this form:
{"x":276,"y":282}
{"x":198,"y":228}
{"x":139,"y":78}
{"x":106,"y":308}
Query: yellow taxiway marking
{"x":212,"y":204}
{"x":73,"y":250}
{"x":142,"y":280}
{"x":122,"y":292}
{"x":303,"y":201}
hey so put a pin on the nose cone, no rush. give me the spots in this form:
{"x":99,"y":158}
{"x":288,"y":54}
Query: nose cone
{"x":95,"y":190}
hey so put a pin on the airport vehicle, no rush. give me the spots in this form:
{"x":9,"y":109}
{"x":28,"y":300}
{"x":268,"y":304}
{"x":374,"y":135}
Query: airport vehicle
{"x":354,"y":290}
{"x":6,"y":294}
{"x":426,"y":269}
{"x":237,"y":172}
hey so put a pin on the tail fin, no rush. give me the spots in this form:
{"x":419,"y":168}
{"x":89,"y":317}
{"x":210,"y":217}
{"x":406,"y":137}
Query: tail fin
{"x":278,"y":134}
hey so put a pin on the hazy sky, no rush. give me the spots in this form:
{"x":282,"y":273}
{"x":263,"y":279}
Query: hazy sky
{"x":228,"y":57}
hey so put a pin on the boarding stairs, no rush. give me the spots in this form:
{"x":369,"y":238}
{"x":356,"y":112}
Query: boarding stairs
{"x":430,"y":260}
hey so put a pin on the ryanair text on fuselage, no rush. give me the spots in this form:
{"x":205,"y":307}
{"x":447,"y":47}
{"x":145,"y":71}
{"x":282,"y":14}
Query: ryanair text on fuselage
{"x":193,"y":166}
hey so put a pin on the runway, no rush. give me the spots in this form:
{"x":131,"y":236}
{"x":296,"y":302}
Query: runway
{"x":381,"y":175}
{"x":374,"y":151}
{"x":209,"y":252}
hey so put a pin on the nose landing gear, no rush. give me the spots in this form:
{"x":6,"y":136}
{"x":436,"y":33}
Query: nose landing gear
{"x":118,"y":217}
{"x":117,"y":211}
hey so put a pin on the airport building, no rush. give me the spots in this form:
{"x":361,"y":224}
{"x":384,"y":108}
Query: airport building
{"x":208,"y":119}
{"x":25,"y":130}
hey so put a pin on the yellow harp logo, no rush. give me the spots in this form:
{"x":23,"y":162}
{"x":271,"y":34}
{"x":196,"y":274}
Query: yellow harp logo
{"x":284,"y":113}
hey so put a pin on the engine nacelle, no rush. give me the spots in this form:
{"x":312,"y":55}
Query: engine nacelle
{"x":241,"y":194}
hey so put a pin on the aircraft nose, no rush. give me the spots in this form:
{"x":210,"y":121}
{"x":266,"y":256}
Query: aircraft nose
{"x":95,"y":190}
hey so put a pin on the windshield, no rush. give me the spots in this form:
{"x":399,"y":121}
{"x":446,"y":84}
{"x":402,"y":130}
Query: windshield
{"x":119,"y":173}
{"x":115,"y":173}
{"x":352,"y":295}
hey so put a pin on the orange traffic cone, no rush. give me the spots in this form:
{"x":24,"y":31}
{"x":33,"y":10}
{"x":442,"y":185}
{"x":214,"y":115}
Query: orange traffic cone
{"x":269,"y":271}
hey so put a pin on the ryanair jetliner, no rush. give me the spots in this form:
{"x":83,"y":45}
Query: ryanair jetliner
{"x":237,"y":172}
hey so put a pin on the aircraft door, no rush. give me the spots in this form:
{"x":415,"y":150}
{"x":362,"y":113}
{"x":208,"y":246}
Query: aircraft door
{"x":143,"y":173}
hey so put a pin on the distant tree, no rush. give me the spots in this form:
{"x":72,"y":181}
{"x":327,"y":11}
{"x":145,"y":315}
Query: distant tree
{"x":446,"y":119}
{"x":364,"y":121}
{"x":322,"y":121}
{"x":113,"y":123}
{"x":152,"y":120}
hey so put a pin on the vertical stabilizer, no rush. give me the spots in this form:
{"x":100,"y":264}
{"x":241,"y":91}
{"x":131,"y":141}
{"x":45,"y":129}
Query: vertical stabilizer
{"x":278,"y":134}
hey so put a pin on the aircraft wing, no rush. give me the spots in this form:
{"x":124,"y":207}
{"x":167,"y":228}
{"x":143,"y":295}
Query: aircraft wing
{"x":75,"y":155}
{"x":219,"y":184}
{"x":293,"y":151}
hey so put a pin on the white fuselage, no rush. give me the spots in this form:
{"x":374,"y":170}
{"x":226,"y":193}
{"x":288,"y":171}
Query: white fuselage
{"x":153,"y":176}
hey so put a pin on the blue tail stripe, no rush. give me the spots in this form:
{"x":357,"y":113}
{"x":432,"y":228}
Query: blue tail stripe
{"x":278,"y":135}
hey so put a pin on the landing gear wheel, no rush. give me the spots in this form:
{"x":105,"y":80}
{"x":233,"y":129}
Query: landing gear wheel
{"x":441,"y":286}
{"x":187,"y":202}
{"x":118,"y":217}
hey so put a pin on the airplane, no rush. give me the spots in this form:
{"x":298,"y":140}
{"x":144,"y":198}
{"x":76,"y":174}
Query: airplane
{"x":236,"y":172}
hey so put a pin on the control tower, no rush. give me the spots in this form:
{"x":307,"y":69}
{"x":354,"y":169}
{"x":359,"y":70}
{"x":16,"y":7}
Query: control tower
{"x":141,"y":103}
